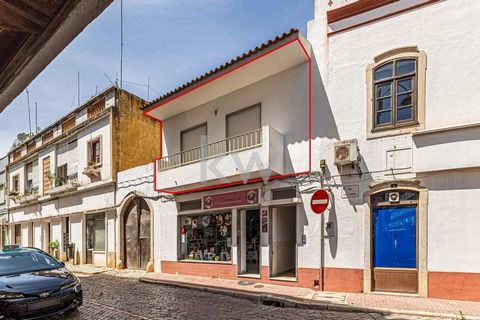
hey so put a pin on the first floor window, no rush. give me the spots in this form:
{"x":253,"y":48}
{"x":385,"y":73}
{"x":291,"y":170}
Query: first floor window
{"x":96,"y":232}
{"x":16,"y":183}
{"x":206,"y":237}
{"x":94,"y":152}
{"x":394,"y":93}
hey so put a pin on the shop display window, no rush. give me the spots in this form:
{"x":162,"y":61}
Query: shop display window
{"x":206,"y":237}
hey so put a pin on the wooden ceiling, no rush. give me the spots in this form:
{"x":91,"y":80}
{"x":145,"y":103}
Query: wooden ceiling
{"x":25,"y":26}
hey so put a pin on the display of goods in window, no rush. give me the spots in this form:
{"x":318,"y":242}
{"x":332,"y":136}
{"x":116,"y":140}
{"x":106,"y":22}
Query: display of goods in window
{"x":210,"y":240}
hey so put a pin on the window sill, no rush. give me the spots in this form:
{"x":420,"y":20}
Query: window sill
{"x":394,"y":131}
{"x":205,"y":261}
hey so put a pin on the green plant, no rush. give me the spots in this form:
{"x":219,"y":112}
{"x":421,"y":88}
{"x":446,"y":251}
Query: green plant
{"x":51,"y":176}
{"x":53,"y":246}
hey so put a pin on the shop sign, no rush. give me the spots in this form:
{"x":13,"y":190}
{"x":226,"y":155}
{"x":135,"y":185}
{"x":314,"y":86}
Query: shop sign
{"x":264,"y":220}
{"x":231,"y":199}
{"x":319,"y":202}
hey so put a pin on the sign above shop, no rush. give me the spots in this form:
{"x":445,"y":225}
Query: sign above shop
{"x":231,"y":199}
{"x":319,"y":202}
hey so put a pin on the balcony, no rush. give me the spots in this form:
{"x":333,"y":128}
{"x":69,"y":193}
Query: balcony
{"x":247,"y":156}
{"x":64,"y":184}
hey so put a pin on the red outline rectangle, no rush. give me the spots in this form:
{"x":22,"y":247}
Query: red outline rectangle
{"x":146,"y":113}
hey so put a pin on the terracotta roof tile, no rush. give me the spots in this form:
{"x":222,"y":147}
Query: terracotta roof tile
{"x":222,"y":67}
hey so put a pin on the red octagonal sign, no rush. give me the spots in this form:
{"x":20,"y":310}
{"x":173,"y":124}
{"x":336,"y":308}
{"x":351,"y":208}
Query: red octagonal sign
{"x":319,"y":202}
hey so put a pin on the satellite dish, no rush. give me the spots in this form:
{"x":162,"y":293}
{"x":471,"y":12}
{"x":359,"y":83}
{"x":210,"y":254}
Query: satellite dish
{"x":22,"y":136}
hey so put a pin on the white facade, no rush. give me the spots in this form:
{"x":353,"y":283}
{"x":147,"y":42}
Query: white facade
{"x":277,"y":149}
{"x":432,"y":159}
{"x":51,"y":203}
{"x":442,"y":155}
{"x":3,"y":200}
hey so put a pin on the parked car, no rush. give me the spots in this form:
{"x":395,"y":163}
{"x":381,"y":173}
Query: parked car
{"x":34,"y":285}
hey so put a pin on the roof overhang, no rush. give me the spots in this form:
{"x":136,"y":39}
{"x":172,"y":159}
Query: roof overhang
{"x":282,"y":55}
{"x":33,"y":33}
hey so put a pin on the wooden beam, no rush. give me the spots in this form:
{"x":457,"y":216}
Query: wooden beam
{"x":11,"y":18}
{"x":48,"y":7}
{"x":21,"y":10}
{"x":355,"y":8}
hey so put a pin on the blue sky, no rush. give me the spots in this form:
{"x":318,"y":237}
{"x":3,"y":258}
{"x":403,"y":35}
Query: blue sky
{"x":167,"y":41}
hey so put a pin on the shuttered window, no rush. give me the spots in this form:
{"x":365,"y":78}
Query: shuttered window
{"x":35,"y":175}
{"x":29,"y":174}
{"x":243,"y":121}
{"x":62,"y":155}
{"x":96,"y":109}
{"x":31,"y":147}
{"x":68,"y":125}
{"x":47,"y":137}
{"x":72,"y":157}
{"x":194,"y":137}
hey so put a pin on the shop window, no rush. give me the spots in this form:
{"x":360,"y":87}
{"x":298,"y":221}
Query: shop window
{"x":396,"y":92}
{"x":206,"y":237}
{"x":190,"y":205}
{"x":95,"y":152}
{"x":96,"y":232}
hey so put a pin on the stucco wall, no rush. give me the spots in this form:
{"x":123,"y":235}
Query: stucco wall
{"x":284,"y":107}
{"x":136,"y":137}
{"x":442,"y":32}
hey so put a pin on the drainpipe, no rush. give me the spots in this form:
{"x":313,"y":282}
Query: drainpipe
{"x":322,"y":245}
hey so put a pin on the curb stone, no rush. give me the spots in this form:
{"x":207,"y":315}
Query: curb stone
{"x":289,"y":302}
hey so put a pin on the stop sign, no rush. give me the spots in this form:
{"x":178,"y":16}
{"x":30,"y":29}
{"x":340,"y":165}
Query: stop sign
{"x":319,"y":202}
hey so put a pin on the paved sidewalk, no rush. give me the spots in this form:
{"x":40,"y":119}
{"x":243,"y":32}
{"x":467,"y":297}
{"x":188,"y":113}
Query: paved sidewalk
{"x":87,"y":269}
{"x":307,"y":298}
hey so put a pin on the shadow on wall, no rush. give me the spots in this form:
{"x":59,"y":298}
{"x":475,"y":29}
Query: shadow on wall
{"x":323,"y":121}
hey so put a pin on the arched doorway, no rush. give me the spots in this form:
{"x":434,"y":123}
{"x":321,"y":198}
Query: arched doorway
{"x":137,"y":234}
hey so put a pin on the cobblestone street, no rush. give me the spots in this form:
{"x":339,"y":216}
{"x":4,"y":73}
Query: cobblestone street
{"x":111,"y":297}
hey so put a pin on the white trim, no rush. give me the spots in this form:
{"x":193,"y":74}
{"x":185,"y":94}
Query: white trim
{"x":446,"y":128}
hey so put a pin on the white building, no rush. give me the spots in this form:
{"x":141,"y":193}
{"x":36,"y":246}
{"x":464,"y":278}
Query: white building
{"x":233,"y":142}
{"x":392,"y":132}
{"x":3,"y":201}
{"x":400,"y":78}
{"x":62,"y":179}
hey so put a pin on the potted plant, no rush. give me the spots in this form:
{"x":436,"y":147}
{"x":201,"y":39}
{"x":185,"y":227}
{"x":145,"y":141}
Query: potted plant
{"x":92,"y":169}
{"x":53,"y":248}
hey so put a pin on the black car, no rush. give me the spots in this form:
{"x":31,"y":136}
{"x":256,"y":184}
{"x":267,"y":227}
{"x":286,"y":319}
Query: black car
{"x":34,"y":285}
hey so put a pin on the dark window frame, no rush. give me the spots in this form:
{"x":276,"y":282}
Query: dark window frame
{"x":393,"y":81}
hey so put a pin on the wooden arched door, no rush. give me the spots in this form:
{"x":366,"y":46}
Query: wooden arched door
{"x":137,"y":234}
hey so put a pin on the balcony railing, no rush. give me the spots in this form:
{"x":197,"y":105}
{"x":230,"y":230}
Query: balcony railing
{"x":60,"y":181}
{"x":244,"y":141}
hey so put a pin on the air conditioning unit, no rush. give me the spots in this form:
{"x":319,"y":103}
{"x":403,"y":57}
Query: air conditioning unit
{"x":346,"y":152}
{"x":394,"y":197}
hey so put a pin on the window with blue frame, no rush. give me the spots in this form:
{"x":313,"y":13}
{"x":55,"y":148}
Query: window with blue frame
{"x":395,"y":237}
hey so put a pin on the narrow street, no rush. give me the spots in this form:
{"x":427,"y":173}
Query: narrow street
{"x":111,"y":297}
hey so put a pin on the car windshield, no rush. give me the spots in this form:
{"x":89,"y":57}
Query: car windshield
{"x":16,"y":262}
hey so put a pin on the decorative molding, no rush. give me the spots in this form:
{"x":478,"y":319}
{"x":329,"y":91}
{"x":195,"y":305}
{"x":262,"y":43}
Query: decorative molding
{"x":355,"y":8}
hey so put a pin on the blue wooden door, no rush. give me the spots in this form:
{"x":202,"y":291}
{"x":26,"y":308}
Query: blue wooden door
{"x":395,"y":248}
